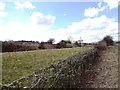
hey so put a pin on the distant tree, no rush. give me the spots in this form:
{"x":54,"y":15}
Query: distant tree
{"x":51,"y":41}
{"x":70,"y":38}
{"x":76,"y":43}
{"x":63,"y":43}
{"x":108,"y":39}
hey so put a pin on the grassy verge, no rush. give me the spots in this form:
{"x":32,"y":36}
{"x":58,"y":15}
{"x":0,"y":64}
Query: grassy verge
{"x":18,"y":64}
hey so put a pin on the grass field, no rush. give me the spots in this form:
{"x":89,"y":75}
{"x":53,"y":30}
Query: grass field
{"x":18,"y":64}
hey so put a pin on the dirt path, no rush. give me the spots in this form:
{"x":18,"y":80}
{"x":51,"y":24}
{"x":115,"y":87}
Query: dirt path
{"x":105,"y":73}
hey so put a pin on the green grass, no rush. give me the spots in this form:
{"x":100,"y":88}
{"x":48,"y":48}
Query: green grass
{"x":18,"y":64}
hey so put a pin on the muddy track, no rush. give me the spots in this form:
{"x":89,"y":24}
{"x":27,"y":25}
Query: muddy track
{"x":105,"y":73}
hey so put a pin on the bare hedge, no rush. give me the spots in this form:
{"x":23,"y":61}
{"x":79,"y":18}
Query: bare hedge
{"x":12,"y":46}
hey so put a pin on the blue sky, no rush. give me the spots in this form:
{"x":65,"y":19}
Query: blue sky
{"x":40,"y":21}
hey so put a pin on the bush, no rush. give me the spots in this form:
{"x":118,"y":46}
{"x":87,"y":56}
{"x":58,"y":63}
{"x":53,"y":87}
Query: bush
{"x":13,"y":46}
{"x":108,"y":40}
{"x":101,"y":45}
{"x":8,"y":46}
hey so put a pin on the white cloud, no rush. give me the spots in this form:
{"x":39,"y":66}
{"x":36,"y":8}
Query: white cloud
{"x":87,"y":29}
{"x":91,"y":29}
{"x":99,"y":5}
{"x":40,"y":19}
{"x":36,"y":30}
{"x":20,"y":31}
{"x":2,"y":6}
{"x":112,"y":3}
{"x":94,"y":11}
{"x":27,"y":5}
{"x":90,"y":24}
{"x":2,"y":12}
{"x":91,"y":12}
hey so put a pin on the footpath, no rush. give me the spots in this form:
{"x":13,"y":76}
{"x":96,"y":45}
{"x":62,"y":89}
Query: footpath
{"x":105,"y":73}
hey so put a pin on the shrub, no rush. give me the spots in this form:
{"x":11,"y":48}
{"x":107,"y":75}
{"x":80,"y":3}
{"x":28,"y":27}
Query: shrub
{"x":8,"y":46}
{"x":108,"y":40}
{"x":101,"y":45}
{"x":13,"y":46}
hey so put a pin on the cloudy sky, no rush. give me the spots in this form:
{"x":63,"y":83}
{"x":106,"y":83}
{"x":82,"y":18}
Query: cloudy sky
{"x":39,"y":21}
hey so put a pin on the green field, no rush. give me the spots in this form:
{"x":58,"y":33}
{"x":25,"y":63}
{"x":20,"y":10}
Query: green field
{"x":18,"y":64}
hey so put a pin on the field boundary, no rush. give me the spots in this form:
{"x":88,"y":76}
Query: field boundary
{"x":64,"y":74}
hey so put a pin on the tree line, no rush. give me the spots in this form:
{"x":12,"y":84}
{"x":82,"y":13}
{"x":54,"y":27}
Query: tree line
{"x":13,"y":46}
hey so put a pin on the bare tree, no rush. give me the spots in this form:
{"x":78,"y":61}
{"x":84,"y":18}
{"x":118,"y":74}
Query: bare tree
{"x":51,"y":41}
{"x":70,"y":38}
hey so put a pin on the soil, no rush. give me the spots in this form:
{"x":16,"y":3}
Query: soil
{"x":105,"y":73}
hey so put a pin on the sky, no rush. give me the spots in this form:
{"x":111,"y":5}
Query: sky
{"x":39,"y":21}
